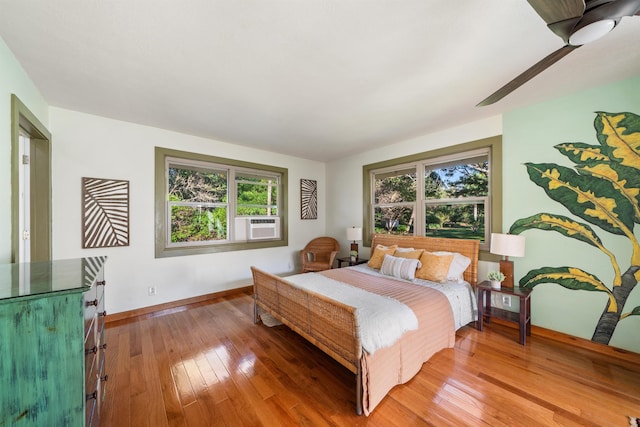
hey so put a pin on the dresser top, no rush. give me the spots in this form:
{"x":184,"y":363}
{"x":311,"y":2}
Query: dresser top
{"x":36,"y":278}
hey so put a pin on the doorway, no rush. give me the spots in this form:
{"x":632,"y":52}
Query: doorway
{"x":30,"y":186}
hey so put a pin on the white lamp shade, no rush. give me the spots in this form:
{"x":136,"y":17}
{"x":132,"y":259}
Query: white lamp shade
{"x":507,"y":244}
{"x":354,"y":233}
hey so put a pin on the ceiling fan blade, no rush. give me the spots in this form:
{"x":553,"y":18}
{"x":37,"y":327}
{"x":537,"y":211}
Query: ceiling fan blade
{"x":561,"y":16}
{"x":552,"y":11}
{"x":615,"y":9}
{"x":533,"y":71}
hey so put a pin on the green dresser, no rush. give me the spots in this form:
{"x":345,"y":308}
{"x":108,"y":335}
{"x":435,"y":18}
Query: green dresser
{"x":52,"y":343}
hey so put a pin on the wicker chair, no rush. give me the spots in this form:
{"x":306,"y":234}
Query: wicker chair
{"x":319,"y":254}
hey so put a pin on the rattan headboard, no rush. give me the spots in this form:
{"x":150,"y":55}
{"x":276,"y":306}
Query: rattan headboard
{"x":468,"y":248}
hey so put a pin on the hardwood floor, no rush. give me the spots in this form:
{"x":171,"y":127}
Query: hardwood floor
{"x":207,"y":364}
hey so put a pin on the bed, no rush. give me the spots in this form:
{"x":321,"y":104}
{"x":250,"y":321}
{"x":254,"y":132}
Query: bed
{"x":329,"y":309}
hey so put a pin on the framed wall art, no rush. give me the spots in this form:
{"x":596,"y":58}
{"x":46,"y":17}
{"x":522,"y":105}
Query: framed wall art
{"x":308,"y":199}
{"x":105,"y":213}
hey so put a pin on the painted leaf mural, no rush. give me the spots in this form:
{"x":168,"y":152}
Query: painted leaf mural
{"x":581,"y":153}
{"x":634,"y":312}
{"x":570,"y":278}
{"x":590,"y":198}
{"x":603,"y":189}
{"x":105,"y":213}
{"x":621,"y":134}
{"x":594,"y":161}
{"x":625,"y":180}
{"x":562,"y":224}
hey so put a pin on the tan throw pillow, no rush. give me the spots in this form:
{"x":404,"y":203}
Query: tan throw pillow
{"x":408,"y":253}
{"x":457,"y":267}
{"x":434,"y":267}
{"x":378,"y":255}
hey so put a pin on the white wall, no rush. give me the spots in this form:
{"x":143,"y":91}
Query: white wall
{"x":92,"y":146}
{"x":13,"y":79}
{"x":344,"y":176}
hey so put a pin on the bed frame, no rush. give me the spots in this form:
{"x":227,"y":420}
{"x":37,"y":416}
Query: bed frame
{"x":330,"y":325}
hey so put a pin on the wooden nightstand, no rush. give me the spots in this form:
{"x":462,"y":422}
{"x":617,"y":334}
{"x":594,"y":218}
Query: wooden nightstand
{"x":347,"y":260}
{"x":486,"y":312}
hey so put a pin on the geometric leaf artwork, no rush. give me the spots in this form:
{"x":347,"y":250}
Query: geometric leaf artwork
{"x":308,"y":199}
{"x":105,"y":213}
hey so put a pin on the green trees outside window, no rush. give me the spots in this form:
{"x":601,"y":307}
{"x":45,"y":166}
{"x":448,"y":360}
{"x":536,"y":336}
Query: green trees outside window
{"x":200,"y":203}
{"x":444,"y":197}
{"x":205,"y":204}
{"x":257,"y":195}
{"x":395,"y":201}
{"x":456,"y":196}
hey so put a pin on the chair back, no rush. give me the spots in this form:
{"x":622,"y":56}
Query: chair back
{"x":319,"y":254}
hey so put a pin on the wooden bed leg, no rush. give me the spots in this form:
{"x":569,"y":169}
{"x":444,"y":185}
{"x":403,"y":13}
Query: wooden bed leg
{"x":255,"y":310}
{"x":359,"y":390}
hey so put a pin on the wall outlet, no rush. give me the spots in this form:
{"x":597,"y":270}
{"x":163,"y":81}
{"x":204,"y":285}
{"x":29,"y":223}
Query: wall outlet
{"x":506,"y":301}
{"x":152,"y":291}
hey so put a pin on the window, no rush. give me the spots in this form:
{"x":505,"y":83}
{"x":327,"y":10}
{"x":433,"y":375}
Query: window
{"x":395,"y":195}
{"x":210,"y":204}
{"x":445,"y":193}
{"x":197,"y":202}
{"x":257,"y":194}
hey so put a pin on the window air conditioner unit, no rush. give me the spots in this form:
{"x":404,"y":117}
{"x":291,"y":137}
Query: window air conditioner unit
{"x":264,"y":228}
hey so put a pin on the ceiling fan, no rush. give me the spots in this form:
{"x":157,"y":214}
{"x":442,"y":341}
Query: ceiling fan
{"x":577,"y":22}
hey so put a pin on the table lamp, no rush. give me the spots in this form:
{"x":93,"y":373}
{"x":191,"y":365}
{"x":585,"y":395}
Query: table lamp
{"x":354,"y":234}
{"x":507,"y":245}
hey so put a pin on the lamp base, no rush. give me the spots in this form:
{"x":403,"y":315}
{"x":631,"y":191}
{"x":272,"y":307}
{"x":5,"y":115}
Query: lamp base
{"x":506,"y":268}
{"x":354,"y":248}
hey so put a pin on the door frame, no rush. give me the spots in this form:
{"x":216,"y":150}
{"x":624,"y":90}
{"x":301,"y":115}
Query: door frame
{"x":40,"y":182}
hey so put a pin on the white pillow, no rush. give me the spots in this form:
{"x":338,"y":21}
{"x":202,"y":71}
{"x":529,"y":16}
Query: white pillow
{"x":402,"y":268}
{"x":457,"y":267}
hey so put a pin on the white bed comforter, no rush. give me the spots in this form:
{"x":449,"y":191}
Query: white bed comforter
{"x":461,"y":296}
{"x":381,"y":320}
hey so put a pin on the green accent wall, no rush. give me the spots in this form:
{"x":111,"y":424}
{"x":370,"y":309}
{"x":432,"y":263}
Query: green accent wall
{"x":529,"y":135}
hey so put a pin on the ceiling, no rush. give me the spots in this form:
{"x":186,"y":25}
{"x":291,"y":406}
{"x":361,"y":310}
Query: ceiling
{"x":317,"y":79}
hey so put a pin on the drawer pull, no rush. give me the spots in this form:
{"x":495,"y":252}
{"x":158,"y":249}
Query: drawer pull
{"x":104,"y":313}
{"x":94,"y":303}
{"x":89,"y":351}
{"x":103,"y":346}
{"x":101,"y":283}
{"x":105,"y":378}
{"x":93,"y":395}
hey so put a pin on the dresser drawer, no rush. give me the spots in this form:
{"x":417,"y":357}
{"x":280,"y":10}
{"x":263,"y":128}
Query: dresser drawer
{"x":95,"y":347}
{"x":95,"y":394}
{"x":92,"y":408}
{"x":90,"y":352}
{"x":90,"y":309}
{"x":93,"y":303}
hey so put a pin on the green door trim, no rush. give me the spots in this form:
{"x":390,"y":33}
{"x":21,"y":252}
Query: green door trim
{"x":40,"y":176}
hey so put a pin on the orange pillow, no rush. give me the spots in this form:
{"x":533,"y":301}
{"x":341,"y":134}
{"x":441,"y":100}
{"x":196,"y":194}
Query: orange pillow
{"x":434,"y":267}
{"x":408,"y":253}
{"x":378,"y":255}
